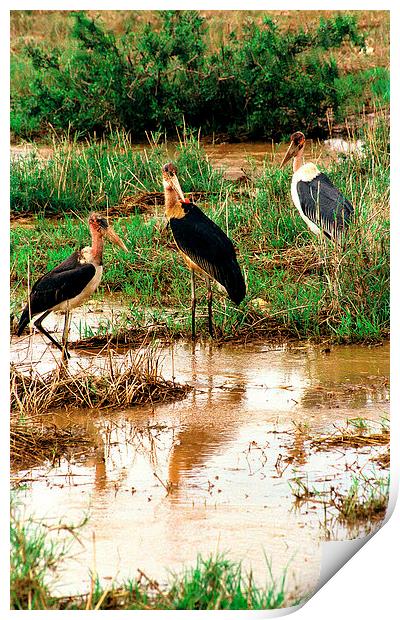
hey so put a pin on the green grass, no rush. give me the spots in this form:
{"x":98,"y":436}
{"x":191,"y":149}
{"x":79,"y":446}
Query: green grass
{"x":360,"y":509}
{"x":212,"y":583}
{"x":96,"y":175}
{"x":365,"y":500}
{"x":306,"y":289}
{"x":33,"y":559}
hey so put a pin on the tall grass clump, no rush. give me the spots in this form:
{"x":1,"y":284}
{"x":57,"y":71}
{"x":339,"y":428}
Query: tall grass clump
{"x":218,"y":583}
{"x":33,"y":560}
{"x":365,"y":500}
{"x":163,"y":72}
{"x":358,"y":277}
{"x":136,"y":380}
{"x":100,"y":174}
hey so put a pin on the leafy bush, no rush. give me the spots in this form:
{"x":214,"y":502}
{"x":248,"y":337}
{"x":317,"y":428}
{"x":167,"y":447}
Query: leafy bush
{"x":370,"y":87}
{"x":263,"y":82}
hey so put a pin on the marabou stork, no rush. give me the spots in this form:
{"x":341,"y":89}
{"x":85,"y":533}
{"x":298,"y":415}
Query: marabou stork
{"x":205,"y":248}
{"x":324,"y":209}
{"x":71,"y":282}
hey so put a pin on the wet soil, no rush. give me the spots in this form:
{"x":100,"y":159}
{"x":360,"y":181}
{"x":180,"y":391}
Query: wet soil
{"x":212,"y":472}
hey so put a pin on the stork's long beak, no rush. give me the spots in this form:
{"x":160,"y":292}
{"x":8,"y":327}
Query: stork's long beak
{"x":112,"y":236}
{"x":177,"y":187}
{"x":291,"y":152}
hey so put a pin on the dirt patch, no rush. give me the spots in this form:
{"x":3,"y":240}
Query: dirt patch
{"x":257,"y":326}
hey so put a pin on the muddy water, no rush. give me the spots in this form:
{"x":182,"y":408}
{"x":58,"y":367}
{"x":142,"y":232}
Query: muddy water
{"x":211,"y":472}
{"x":237,"y":160}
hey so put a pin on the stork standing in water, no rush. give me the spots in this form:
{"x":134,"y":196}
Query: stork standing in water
{"x":204,"y":247}
{"x":320,"y":204}
{"x":71,"y":282}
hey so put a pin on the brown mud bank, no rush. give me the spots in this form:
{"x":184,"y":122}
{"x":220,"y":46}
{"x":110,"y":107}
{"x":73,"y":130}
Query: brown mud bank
{"x":219,"y":469}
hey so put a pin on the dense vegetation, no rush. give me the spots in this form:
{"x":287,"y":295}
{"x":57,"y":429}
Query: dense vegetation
{"x":296,"y":286}
{"x":262,"y":81}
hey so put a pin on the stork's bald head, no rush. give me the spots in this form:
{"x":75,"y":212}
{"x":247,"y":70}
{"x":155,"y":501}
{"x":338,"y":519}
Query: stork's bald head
{"x":170,"y":180}
{"x":297,"y":141}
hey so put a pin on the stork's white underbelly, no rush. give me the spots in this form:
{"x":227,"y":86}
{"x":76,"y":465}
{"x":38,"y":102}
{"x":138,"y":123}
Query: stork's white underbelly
{"x":84,"y":295}
{"x":295,"y":197}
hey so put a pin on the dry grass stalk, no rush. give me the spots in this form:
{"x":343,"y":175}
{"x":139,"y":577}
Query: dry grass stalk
{"x":383,"y":460}
{"x":125,"y":336}
{"x":302,"y":259}
{"x":351,"y":439}
{"x":137,"y":381}
{"x":31,"y":444}
{"x":145,"y":201}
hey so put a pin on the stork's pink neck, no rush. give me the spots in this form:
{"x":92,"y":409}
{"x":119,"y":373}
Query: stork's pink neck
{"x":97,"y":246}
{"x":298,"y":160}
{"x":170,"y":197}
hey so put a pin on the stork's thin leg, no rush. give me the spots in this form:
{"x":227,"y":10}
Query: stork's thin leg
{"x":38,"y":324}
{"x":193,"y":286}
{"x":209,"y":303}
{"x":65,"y":353}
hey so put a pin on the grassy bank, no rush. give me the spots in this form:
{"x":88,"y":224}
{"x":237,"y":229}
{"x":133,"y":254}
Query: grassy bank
{"x":213,"y":583}
{"x":296,"y":286}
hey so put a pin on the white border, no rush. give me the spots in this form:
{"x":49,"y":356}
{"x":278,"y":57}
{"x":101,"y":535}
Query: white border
{"x":367,"y":585}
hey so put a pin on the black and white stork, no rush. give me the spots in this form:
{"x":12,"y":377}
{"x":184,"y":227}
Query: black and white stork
{"x":320,"y":204}
{"x":205,"y":248}
{"x":71,"y":282}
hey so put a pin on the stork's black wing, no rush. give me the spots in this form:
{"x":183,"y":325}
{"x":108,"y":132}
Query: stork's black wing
{"x":324,"y":205}
{"x":209,"y":247}
{"x":71,"y":262}
{"x":63,"y":282}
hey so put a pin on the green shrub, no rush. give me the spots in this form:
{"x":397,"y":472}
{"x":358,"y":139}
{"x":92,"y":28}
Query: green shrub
{"x":369,"y":88}
{"x":262,"y":82}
